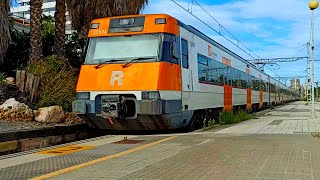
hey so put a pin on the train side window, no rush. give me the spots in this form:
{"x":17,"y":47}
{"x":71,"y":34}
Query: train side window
{"x":185,"y":56}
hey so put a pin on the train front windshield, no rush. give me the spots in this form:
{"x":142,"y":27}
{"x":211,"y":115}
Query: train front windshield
{"x":122,"y":48}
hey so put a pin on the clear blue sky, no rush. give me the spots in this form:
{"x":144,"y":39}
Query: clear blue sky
{"x":270,"y":28}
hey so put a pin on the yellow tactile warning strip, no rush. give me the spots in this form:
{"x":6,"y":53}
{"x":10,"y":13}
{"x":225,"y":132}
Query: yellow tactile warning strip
{"x":65,"y":150}
{"x":8,"y":146}
{"x":72,"y":168}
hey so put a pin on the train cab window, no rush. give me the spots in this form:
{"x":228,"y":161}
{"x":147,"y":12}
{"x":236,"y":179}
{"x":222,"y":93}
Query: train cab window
{"x":166,"y":51}
{"x":185,"y":53}
{"x":170,"y":49}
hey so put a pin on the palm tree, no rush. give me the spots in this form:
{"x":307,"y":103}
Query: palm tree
{"x":60,"y":28}
{"x":35,"y":26}
{"x":82,"y":12}
{"x":4,"y":28}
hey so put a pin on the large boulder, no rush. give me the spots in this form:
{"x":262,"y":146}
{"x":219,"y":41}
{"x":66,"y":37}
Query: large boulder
{"x":15,"y":111}
{"x":52,"y":114}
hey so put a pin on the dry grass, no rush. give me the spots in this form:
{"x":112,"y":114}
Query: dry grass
{"x":57,"y":84}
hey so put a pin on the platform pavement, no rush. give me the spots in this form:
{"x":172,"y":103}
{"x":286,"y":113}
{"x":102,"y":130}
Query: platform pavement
{"x":205,"y":155}
{"x":294,"y":118}
{"x":209,"y":156}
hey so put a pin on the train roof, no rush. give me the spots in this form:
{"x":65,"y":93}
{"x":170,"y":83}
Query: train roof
{"x":207,"y":38}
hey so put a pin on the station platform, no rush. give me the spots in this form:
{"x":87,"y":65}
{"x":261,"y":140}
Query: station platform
{"x":56,"y":161}
{"x":224,"y":152}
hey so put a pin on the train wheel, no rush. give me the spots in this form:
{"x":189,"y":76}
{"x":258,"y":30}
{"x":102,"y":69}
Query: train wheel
{"x":196,"y":121}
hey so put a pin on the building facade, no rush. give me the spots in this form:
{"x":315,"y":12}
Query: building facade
{"x":23,"y":11}
{"x":295,"y":84}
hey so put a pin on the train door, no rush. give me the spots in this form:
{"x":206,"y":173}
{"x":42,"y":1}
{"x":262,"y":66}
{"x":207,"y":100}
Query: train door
{"x":187,"y":81}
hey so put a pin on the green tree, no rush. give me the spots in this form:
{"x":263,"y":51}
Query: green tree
{"x":47,"y":35}
{"x":19,"y":50}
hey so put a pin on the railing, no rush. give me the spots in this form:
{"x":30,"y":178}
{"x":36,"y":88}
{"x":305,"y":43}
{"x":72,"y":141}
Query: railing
{"x":20,"y":20}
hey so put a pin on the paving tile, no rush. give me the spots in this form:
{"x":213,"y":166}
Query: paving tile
{"x":244,"y":151}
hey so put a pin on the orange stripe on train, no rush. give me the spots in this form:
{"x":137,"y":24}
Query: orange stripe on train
{"x":227,"y":89}
{"x":136,"y":77}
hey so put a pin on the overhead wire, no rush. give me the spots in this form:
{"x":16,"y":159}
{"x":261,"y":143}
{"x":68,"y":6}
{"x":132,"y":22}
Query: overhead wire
{"x":220,"y":26}
{"x":304,"y":46}
{"x":244,"y":49}
{"x":218,"y":32}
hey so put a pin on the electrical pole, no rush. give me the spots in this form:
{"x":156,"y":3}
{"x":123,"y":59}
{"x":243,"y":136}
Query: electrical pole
{"x":308,"y":74}
{"x":317,"y":91}
{"x":313,"y":4}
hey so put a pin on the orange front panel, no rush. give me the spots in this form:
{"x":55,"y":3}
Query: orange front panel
{"x":249,"y":101}
{"x":136,"y":77}
{"x":171,"y":26}
{"x":227,"y":98}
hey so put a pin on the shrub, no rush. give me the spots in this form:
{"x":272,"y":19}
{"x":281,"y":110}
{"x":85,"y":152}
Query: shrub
{"x":2,"y":78}
{"x":229,"y":117}
{"x":242,"y":116}
{"x":74,"y":50}
{"x":57,"y":82}
{"x":226,"y":117}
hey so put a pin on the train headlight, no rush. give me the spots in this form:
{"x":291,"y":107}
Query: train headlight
{"x":83,"y":95}
{"x":153,"y":95}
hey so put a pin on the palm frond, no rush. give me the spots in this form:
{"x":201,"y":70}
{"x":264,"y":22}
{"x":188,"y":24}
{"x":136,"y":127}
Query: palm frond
{"x":82,"y":12}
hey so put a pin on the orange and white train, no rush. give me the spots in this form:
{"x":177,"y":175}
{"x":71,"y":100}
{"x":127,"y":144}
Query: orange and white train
{"x":153,"y":72}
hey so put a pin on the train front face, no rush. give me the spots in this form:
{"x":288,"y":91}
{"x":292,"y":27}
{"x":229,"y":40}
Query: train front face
{"x":131,"y":79}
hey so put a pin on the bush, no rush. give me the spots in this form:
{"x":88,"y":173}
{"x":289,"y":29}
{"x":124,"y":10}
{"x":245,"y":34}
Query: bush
{"x":18,"y":52}
{"x":242,"y":116}
{"x":17,"y":55}
{"x":2,"y":78}
{"x":229,"y":117}
{"x":75,"y":50}
{"x":57,"y":82}
{"x":226,"y":117}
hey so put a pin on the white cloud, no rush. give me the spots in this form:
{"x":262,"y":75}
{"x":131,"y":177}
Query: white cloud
{"x":270,"y":28}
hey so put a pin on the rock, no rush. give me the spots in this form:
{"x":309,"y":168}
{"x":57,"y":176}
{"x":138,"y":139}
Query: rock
{"x":13,"y":104}
{"x":10,"y":80}
{"x":72,"y":118}
{"x":13,"y":110}
{"x":11,"y":91}
{"x":52,"y":114}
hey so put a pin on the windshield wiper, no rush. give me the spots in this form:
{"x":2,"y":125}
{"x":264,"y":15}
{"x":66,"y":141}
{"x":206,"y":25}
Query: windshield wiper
{"x":134,"y":60}
{"x":105,"y":62}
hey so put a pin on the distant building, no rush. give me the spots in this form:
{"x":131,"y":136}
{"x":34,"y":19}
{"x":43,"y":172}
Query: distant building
{"x":295,"y":84}
{"x":21,"y":24}
{"x":23,"y":11}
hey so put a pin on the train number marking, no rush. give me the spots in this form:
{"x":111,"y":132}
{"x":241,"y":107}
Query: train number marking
{"x":116,"y":76}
